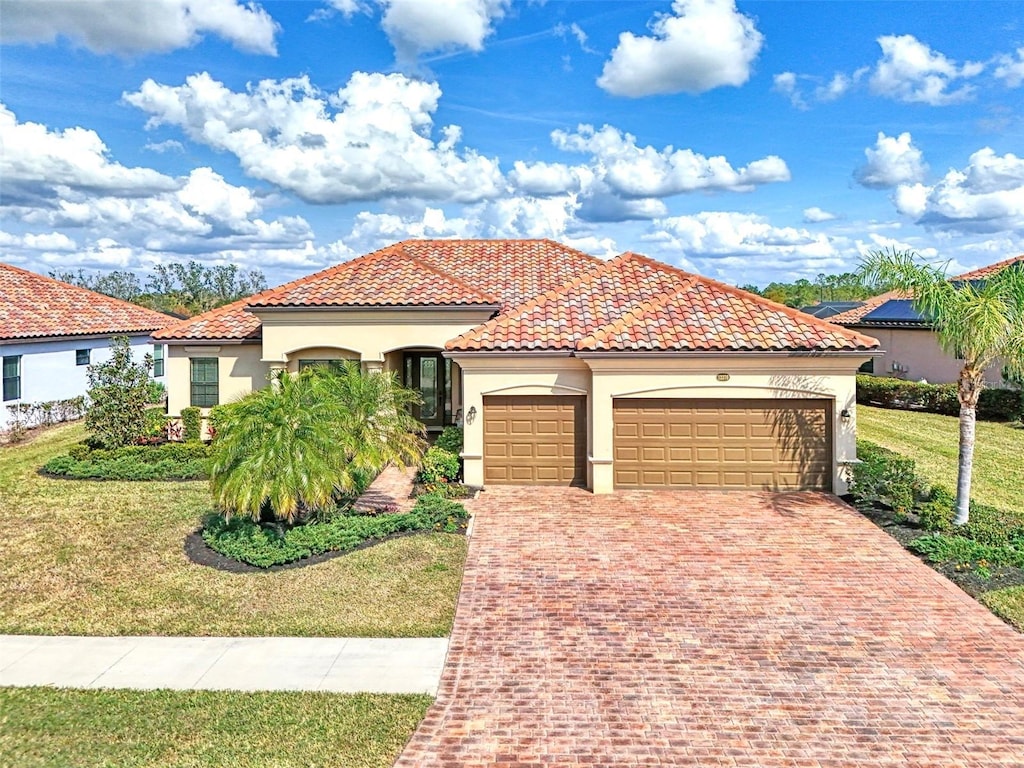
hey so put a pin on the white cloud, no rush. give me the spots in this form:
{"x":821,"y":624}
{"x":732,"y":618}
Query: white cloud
{"x":138,"y":26}
{"x":370,"y":140}
{"x":415,"y":27}
{"x":786,"y":83}
{"x":911,"y":72}
{"x":702,"y":44}
{"x":631,"y":171}
{"x":576,"y":31}
{"x":160,"y":147}
{"x":730,"y":233}
{"x":789,"y":85}
{"x":35,"y":161}
{"x":44,"y":241}
{"x":545,"y":179}
{"x":892,"y":161}
{"x":815,"y":215}
{"x":985,"y":197}
{"x":1011,"y":70}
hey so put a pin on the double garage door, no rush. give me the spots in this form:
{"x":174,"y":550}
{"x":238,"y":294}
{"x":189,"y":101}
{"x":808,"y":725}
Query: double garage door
{"x":659,"y":443}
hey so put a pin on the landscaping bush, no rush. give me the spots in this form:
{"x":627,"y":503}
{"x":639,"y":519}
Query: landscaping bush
{"x":438,"y":466}
{"x":192,"y":423}
{"x":118,"y":396}
{"x":170,"y":461}
{"x":940,"y":548}
{"x":451,"y":440}
{"x":885,"y":477}
{"x":886,"y":392}
{"x":243,"y":539}
{"x":156,"y":424}
{"x":938,"y":511}
{"x":992,"y":525}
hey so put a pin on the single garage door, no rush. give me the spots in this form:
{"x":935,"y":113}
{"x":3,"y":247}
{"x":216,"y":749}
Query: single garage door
{"x":764,"y":444}
{"x":535,"y":440}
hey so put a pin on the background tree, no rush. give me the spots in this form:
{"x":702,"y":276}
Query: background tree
{"x":848,"y":286}
{"x":978,"y":322}
{"x":290,"y":449}
{"x":181,"y":289}
{"x":119,"y":390}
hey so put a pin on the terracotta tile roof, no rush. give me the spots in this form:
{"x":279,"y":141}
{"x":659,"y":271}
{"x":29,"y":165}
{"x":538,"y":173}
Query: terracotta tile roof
{"x":389,"y":277}
{"x":982,"y":272}
{"x":514,"y":270}
{"x":855,"y":315}
{"x":633,"y":303}
{"x":33,"y":306}
{"x":506,"y":272}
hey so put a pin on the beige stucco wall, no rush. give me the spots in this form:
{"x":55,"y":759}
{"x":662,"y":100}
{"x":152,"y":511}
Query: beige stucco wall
{"x":370,"y":334}
{"x":917,"y":354}
{"x":240,"y":370}
{"x":604,"y":378}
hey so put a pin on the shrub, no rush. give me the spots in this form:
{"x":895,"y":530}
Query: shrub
{"x":940,"y":548}
{"x":156,"y":423}
{"x":991,"y":525}
{"x":438,"y":466}
{"x":215,"y":420}
{"x":118,"y":395}
{"x":936,"y":513}
{"x":243,"y":539}
{"x":192,"y":423}
{"x":883,"y":476}
{"x":993,"y":405}
{"x":157,"y":392}
{"x":170,"y":461}
{"x":26,"y":416}
{"x":451,"y":440}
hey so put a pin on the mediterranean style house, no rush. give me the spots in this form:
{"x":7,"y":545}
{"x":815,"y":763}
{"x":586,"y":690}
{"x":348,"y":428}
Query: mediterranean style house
{"x":50,"y":332}
{"x":563,"y":368}
{"x":911,"y":348}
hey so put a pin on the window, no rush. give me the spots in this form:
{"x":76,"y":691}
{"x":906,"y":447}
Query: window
{"x":336,"y":365}
{"x":158,"y":360}
{"x":12,"y":378}
{"x":83,"y":356}
{"x":205,"y":382}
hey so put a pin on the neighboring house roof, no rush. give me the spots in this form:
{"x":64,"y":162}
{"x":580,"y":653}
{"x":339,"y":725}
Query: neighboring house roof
{"x":856,"y":315}
{"x":633,"y":303}
{"x":829,"y":308}
{"x":33,"y":306}
{"x":982,"y":272}
{"x":500,"y":273}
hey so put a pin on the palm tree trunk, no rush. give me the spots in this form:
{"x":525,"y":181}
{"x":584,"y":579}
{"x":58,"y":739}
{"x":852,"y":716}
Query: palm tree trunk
{"x":966,"y":465}
{"x":969,"y":386}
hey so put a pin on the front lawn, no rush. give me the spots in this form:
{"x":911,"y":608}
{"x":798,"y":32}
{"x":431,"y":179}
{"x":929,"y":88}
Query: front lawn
{"x":54,"y":728}
{"x":89,"y":558}
{"x":932,"y":442}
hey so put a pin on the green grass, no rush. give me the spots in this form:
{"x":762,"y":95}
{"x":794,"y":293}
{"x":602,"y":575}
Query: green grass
{"x":106,"y":558}
{"x":1008,"y":604}
{"x":933,"y":442}
{"x":59,"y":728}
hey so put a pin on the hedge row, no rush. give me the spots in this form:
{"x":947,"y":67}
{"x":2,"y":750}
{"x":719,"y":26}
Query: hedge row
{"x":169,"y":461}
{"x":886,"y":392}
{"x":243,"y":539}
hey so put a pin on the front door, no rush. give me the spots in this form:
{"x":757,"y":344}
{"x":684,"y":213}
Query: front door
{"x":429,"y":373}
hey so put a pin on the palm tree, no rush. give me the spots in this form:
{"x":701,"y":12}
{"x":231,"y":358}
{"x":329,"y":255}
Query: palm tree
{"x":292,"y":448}
{"x":977,"y":321}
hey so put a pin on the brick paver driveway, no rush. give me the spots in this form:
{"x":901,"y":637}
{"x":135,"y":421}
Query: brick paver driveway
{"x":739,"y":629}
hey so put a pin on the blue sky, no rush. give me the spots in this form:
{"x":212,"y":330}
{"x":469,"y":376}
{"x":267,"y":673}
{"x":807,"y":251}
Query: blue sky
{"x":749,"y":142}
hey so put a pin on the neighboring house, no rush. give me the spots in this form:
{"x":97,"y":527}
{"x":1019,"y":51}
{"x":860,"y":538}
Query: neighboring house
{"x":828,"y":309}
{"x":565,"y":369}
{"x":910,"y":348}
{"x":50,"y":332}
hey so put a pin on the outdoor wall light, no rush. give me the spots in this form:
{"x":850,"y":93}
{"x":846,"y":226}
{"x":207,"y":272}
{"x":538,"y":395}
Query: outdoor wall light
{"x":471,"y":414}
{"x":845,"y":415}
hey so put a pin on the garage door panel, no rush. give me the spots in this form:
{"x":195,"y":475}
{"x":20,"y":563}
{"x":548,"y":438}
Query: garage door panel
{"x":534,"y":440}
{"x":763,"y":444}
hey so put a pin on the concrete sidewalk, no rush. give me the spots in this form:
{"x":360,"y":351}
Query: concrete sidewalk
{"x":342,"y":665}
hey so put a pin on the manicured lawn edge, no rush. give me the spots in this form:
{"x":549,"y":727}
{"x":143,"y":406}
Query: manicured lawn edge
{"x":54,"y":728}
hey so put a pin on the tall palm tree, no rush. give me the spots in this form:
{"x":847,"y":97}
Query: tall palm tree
{"x":979,"y":322}
{"x":290,"y":449}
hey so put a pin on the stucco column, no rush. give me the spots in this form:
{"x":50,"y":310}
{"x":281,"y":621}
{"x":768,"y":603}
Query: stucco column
{"x":277,"y":369}
{"x":373,"y":366}
{"x":600,"y":458}
{"x":473,"y":431}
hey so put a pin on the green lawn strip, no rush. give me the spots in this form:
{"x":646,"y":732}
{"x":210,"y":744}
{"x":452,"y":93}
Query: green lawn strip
{"x":932,"y":441}
{"x":44,"y":727}
{"x":1008,"y":604}
{"x":89,"y":558}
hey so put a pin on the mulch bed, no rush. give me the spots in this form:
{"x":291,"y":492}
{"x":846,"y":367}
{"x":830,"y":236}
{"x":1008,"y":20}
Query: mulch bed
{"x":964,"y":576}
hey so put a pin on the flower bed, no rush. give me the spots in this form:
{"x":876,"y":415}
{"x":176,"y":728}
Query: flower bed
{"x":167,"y":461}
